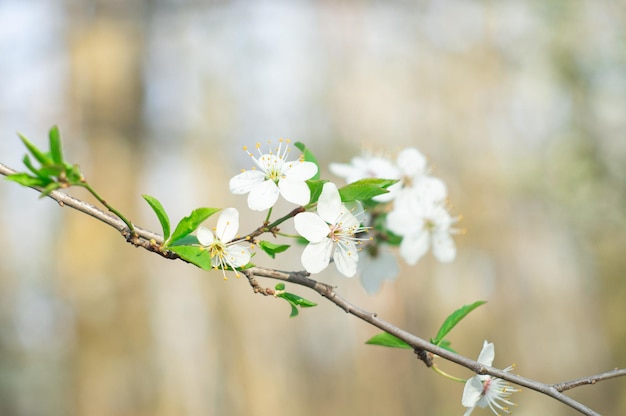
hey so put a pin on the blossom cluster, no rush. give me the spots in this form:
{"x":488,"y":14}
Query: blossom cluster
{"x":412,"y":213}
{"x":414,"y":209}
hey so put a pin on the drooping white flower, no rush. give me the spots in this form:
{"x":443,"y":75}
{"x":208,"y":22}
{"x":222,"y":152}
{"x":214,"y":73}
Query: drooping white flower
{"x":485,"y":390}
{"x":275,"y":176}
{"x":376,"y":267}
{"x":333,"y":226}
{"x":423,"y":225}
{"x":224,"y":252}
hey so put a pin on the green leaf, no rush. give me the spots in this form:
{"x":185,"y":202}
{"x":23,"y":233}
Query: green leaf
{"x":385,"y":339}
{"x":298,"y":300}
{"x":454,"y":318}
{"x":53,"y":186}
{"x":315,"y":186}
{"x":51,"y":170}
{"x":56,"y":150}
{"x":195,"y":255}
{"x":365,"y":189}
{"x":28,"y":180}
{"x":188,"y":240}
{"x":294,"y":300}
{"x":309,"y":157}
{"x":189,"y":224}
{"x":37,"y":154}
{"x":272,"y":249}
{"x":30,"y":166}
{"x":160,"y":213}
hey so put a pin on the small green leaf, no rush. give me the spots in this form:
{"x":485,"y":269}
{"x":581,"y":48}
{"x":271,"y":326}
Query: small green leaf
{"x":56,"y":150}
{"x":454,"y":318}
{"x":309,"y":157}
{"x":53,"y":186}
{"x":298,"y":300}
{"x":189,"y":224}
{"x":194,"y":255}
{"x":51,"y":170}
{"x":272,"y":249}
{"x":385,"y":339}
{"x":315,"y":186}
{"x":30,"y":166}
{"x":28,"y":180}
{"x":160,"y":213}
{"x":37,"y":154}
{"x":294,"y":300}
{"x":365,"y":189}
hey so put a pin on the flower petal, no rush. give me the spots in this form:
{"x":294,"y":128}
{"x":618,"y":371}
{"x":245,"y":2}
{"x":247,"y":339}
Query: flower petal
{"x":316,"y":256}
{"x":300,"y":171}
{"x":295,"y":191}
{"x":430,"y":189}
{"x":205,"y":236}
{"x":311,"y":227}
{"x":411,"y":162}
{"x":472,"y":392}
{"x":227,"y":225}
{"x":329,"y":203}
{"x":263,"y":196}
{"x":245,"y":181}
{"x":376,"y":269}
{"x":444,"y":248}
{"x":414,"y":246}
{"x":238,"y":255}
{"x":487,"y":354}
{"x":346,"y":257}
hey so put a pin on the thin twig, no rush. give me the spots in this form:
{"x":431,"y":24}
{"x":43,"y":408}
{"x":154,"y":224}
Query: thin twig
{"x":152,"y":242}
{"x":567,"y":385}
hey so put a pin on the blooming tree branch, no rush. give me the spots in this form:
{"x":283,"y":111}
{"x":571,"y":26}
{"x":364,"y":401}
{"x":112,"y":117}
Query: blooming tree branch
{"x":335,"y":233}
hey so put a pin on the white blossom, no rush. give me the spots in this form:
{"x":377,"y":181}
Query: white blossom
{"x":275,"y":176}
{"x":332,"y":227}
{"x":485,"y":390}
{"x":224,"y":252}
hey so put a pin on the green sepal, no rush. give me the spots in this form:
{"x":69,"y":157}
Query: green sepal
{"x":194,"y":255}
{"x":454,"y":318}
{"x":385,"y":339}
{"x":56,"y":149}
{"x":365,"y":189}
{"x":189,"y":224}
{"x":160,"y":213}
{"x":37,"y":154}
{"x":272,"y":249}
{"x":309,"y":157}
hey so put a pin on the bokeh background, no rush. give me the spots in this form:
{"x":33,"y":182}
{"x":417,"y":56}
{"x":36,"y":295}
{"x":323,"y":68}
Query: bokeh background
{"x":519,"y":105}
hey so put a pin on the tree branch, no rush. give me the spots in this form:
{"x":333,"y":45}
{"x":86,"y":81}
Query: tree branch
{"x":424,"y":349}
{"x":567,"y":385}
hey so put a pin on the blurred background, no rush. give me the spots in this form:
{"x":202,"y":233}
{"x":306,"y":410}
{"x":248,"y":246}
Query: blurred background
{"x":519,"y":105}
